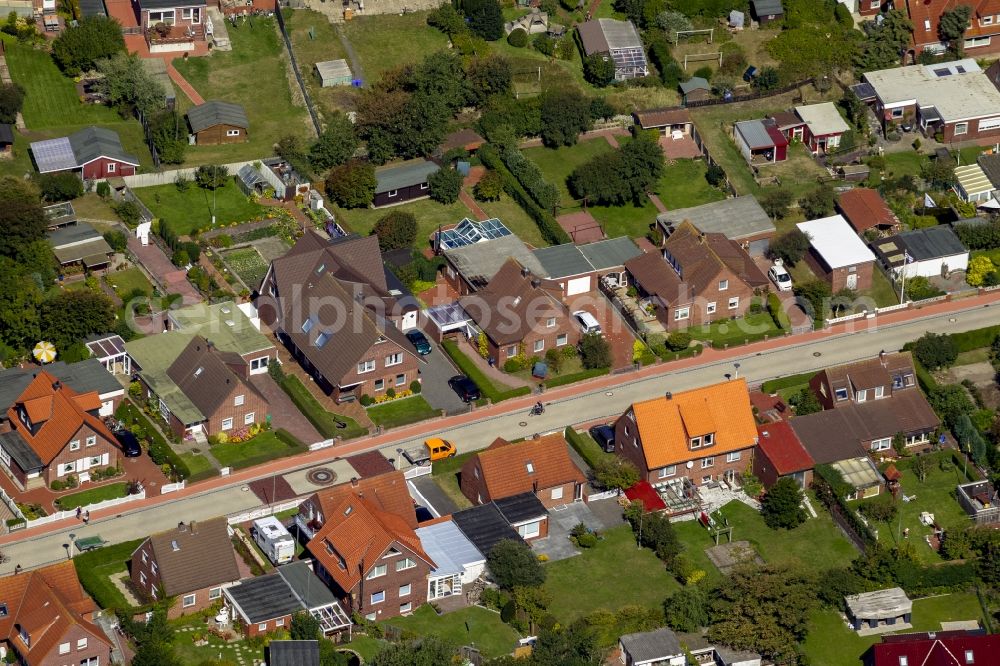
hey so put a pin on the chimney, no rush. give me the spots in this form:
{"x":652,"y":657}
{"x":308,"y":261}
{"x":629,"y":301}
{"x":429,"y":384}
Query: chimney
{"x":181,"y":527}
{"x":669,"y":395}
{"x":56,"y":385}
{"x":524,"y":271}
{"x":193,"y":527}
{"x":354,"y":482}
{"x":535,"y":283}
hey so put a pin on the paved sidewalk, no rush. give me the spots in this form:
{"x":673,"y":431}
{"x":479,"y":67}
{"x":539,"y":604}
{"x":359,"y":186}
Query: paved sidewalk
{"x":183,"y":84}
{"x":171,"y":279}
{"x":284,"y":414}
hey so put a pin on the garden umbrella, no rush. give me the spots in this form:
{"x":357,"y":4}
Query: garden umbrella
{"x":45,"y":352}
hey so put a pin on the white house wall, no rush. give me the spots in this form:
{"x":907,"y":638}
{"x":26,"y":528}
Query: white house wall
{"x":932,"y":267}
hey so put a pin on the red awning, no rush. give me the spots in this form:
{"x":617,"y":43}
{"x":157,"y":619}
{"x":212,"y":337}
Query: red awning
{"x":647,"y":495}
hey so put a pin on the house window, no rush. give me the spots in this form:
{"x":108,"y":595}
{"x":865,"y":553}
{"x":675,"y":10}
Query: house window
{"x":986,"y":20}
{"x":669,"y":470}
{"x":259,"y":363}
{"x":734,"y":456}
{"x":879,"y":392}
{"x":238,"y":400}
{"x":280,"y":622}
{"x":530,"y":530}
{"x":550,"y":322}
{"x":903,"y":661}
{"x":366,"y":366}
{"x":94,"y":460}
{"x":112,"y":167}
{"x":192,"y":14}
{"x":405,"y":608}
{"x":404,"y":590}
{"x":734,"y":302}
{"x":709,"y":439}
{"x":262,"y":626}
{"x":74,"y":445}
{"x":557,"y":493}
{"x":707,"y":462}
{"x":249,"y":418}
{"x":161,"y":17}
{"x":400,"y":380}
{"x":189,"y":600}
{"x":841,"y":393}
{"x":681,"y":313}
{"x":706,"y":479}
{"x":561,"y":339}
{"x":227,"y":424}
{"x":723,"y":285}
{"x":153,"y":567}
{"x":393,"y":359}
{"x":511,"y":350}
{"x":92,"y":440}
{"x":144,"y":558}
{"x":696,"y":442}
{"x":710,"y":308}
{"x":961,"y":128}
{"x":68,"y":468}
{"x":881,"y":444}
{"x":378,"y":597}
{"x":215,"y":593}
{"x":391,"y":193}
{"x":64,"y":648}
{"x":377,"y":571}
{"x":861,"y":396}
{"x":91,"y":661}
{"x":424,"y":186}
{"x":875,"y":4}
{"x":897,"y":113}
{"x":379,"y":384}
{"x":539,"y":345}
{"x":969,"y":657}
{"x":81,"y":644}
{"x":404,"y":564}
{"x":232,"y":132}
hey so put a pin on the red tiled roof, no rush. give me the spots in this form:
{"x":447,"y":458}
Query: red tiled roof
{"x":865,"y":208}
{"x":782,"y":447}
{"x":387,"y":492}
{"x":504,"y":465}
{"x":645,"y":493}
{"x":941,"y":649}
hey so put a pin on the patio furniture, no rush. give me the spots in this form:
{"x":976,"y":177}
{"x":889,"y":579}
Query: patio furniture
{"x":89,"y":543}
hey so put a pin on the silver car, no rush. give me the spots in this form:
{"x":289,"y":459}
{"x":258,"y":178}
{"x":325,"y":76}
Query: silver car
{"x":588,"y":322}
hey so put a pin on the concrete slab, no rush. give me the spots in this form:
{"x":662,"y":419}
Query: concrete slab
{"x":302,"y":485}
{"x":428,"y":493}
{"x":561,"y":520}
{"x":608,"y":511}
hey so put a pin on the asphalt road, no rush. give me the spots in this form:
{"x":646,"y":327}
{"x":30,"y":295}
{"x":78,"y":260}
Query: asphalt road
{"x":571,"y":409}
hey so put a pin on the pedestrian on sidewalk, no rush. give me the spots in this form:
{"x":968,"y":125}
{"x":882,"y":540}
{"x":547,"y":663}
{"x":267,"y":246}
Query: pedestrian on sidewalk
{"x":79,"y":512}
{"x":86,"y":517}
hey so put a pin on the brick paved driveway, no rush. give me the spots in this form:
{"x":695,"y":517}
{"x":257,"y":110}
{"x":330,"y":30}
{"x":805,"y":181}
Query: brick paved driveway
{"x":616,"y":331}
{"x":284,"y":413}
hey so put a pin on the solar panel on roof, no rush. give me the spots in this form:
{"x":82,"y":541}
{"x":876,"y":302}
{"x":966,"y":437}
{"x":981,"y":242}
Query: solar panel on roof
{"x":54,"y":155}
{"x":449,"y":313}
{"x":470,"y":232}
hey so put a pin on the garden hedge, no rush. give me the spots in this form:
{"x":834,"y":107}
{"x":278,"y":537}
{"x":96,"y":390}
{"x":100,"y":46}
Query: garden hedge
{"x":775,"y":385}
{"x":577,"y":441}
{"x":486,"y":386}
{"x":575,"y":377}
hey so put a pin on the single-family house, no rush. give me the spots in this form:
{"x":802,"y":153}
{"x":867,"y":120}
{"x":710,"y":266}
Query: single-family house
{"x":930,"y":252}
{"x":977,"y":40}
{"x":93,"y":153}
{"x":87,"y":376}
{"x":353,"y":345}
{"x":192,"y":562}
{"x":48,"y":619}
{"x":766,"y":11}
{"x":52,"y":432}
{"x":838,"y":254}
{"x":695,"y":89}
{"x":954,"y":99}
{"x":200,"y":391}
{"x":535,"y":22}
{"x":334,"y":73}
{"x":663,"y":647}
{"x":882,"y":610}
{"x":80,"y":245}
{"x":692,"y":437}
{"x":173,"y":25}
{"x":539,"y":465}
{"x":885,"y":376}
{"x":980,"y":501}
{"x":741,"y":219}
{"x":780,"y":454}
{"x":458,"y":562}
{"x":700,"y":278}
{"x":520,"y":314}
{"x":6,"y":141}
{"x":935,"y":648}
{"x":665,"y":121}
{"x":231,"y":328}
{"x":864,"y":209}
{"x":217,"y":122}
{"x":617,"y":40}
{"x":760,"y":142}
{"x":403,"y":182}
{"x":972,"y":184}
{"x":820,"y":127}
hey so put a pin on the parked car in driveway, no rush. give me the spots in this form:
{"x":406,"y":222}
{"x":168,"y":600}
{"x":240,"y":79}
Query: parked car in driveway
{"x":779,"y":276}
{"x":604,"y":435}
{"x":465,"y":388}
{"x":129,"y":443}
{"x":588,"y":322}
{"x":419,"y":342}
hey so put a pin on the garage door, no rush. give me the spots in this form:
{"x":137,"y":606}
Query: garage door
{"x":759,"y":247}
{"x":578,"y":286}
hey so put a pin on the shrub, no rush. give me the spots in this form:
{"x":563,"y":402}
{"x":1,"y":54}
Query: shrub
{"x":180,"y":258}
{"x":415,"y":387}
{"x":366,"y":400}
{"x":390,"y":392}
{"x":489,"y":187}
{"x":103,"y":189}
{"x":882,"y":509}
{"x":935,"y":350}
{"x":678,"y":341}
{"x":615,"y":472}
{"x":790,"y":247}
{"x":518,"y":38}
{"x":397,"y":229}
{"x":513,"y":564}
{"x":781,"y":507}
{"x":445,"y":185}
{"x":595,"y":351}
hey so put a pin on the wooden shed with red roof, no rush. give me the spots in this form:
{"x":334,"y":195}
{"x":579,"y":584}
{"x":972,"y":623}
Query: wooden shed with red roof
{"x":781,"y":454}
{"x":865,"y":209}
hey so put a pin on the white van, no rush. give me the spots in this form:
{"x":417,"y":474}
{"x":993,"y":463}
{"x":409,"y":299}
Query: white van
{"x":588,"y":322}
{"x":273,"y":539}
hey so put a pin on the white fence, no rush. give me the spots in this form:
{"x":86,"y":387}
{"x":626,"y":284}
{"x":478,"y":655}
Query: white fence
{"x":607,"y":494}
{"x":172,"y":487}
{"x":59,"y":515}
{"x":326,"y":443}
{"x":11,"y":504}
{"x":254,"y":514}
{"x":865,"y":314}
{"x":169,"y":177}
{"x":414,"y":472}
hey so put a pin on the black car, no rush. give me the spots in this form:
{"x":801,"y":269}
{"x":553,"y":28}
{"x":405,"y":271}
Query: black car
{"x":604,"y":435}
{"x":129,"y":443}
{"x":465,"y":388}
{"x":419,"y":342}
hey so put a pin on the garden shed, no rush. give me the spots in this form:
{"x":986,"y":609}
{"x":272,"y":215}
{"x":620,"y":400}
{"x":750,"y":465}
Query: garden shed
{"x":251,"y":180}
{"x":334,"y":73}
{"x":881,"y":610}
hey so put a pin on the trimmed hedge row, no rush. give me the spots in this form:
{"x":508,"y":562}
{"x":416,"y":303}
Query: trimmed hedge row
{"x":547,"y":225}
{"x":775,"y":385}
{"x":975,"y":339}
{"x":530,"y":176}
{"x":322,"y":420}
{"x":486,"y":386}
{"x":831,"y":489}
{"x":576,"y":377}
{"x":94,"y":567}
{"x":592,"y":454}
{"x":160,"y":451}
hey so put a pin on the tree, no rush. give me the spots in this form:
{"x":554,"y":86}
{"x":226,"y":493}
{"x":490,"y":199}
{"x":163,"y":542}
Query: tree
{"x":687,"y":609}
{"x":952,"y":26}
{"x":513,"y":564}
{"x":950,"y":402}
{"x":806,"y":402}
{"x":445,"y":185}
{"x":935,"y":350}
{"x":885,"y":41}
{"x":61,"y":186}
{"x":20,"y":298}
{"x":565,"y":114}
{"x":484,"y":18}
{"x":766,"y":79}
{"x":599,"y":69}
{"x":398,"y":229}
{"x":489,"y":187}
{"x":352,"y":185}
{"x":624,"y":175}
{"x":169,"y":132}
{"x":616,"y":472}
{"x":979,"y":268}
{"x":335,"y":145}
{"x":489,"y":76}
{"x":518,"y":38}
{"x":116,"y":239}
{"x":817,"y":294}
{"x":447,"y":19}
{"x":654,"y":531}
{"x":129,"y":86}
{"x":775,"y":201}
{"x":76,"y":315}
{"x":790,"y":247}
{"x":79,"y":48}
{"x":938,"y":173}
{"x":304,"y":627}
{"x":544,"y":44}
{"x":817,"y":203}
{"x":575,"y":645}
{"x":595,"y":351}
{"x":672,"y":22}
{"x":21,"y":217}
{"x":11,"y":101}
{"x":395,"y":122}
{"x":782,"y":505}
{"x":441,"y":76}
{"x":211,"y":176}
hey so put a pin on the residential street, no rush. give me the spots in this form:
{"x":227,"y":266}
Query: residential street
{"x":602,"y":398}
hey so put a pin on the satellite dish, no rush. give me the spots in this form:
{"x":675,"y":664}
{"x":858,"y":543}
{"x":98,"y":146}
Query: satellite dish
{"x":690,"y":464}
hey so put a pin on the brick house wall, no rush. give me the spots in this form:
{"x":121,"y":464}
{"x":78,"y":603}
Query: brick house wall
{"x":838,"y":277}
{"x":764,"y":470}
{"x":220,"y":134}
{"x":543,"y":529}
{"x":179,"y":19}
{"x":379,"y":352}
{"x":106,"y":450}
{"x":261,"y":628}
{"x":146,"y":580}
{"x":96,"y":647}
{"x":106,"y":168}
{"x":548,"y":337}
{"x":701,"y":308}
{"x":253,"y":406}
{"x":359,"y":599}
{"x":567,"y":496}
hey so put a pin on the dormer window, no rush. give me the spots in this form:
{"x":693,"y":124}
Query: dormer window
{"x":530,"y":467}
{"x":903,"y":661}
{"x":861,"y":396}
{"x":696,"y":442}
{"x":25,"y":638}
{"x":840,"y":393}
{"x":986,"y":20}
{"x":709,"y":439}
{"x":970,"y":658}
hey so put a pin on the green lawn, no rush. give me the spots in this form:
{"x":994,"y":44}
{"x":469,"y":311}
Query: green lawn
{"x":736,"y":331}
{"x":191,"y":209}
{"x":683,"y":185}
{"x":468,"y":626}
{"x":446,"y":474}
{"x":322,"y":46}
{"x":92,"y":496}
{"x":96,"y":567}
{"x":906,"y":163}
{"x":255,"y":75}
{"x":129,"y":280}
{"x":981,"y":355}
{"x":515,"y":219}
{"x":429,"y":213}
{"x":613,"y":574}
{"x":216,"y":649}
{"x":388,"y":40}
{"x":558,"y":163}
{"x":831,"y":643}
{"x":325,"y":422}
{"x":402,"y":411}
{"x":262,"y":448}
{"x":935,"y":495}
{"x":248,"y":264}
{"x":198,"y":465}
{"x":628,"y":220}
{"x":93,"y":207}
{"x":882,"y":291}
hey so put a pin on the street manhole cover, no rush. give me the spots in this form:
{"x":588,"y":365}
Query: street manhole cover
{"x":817,"y":353}
{"x":321,"y":476}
